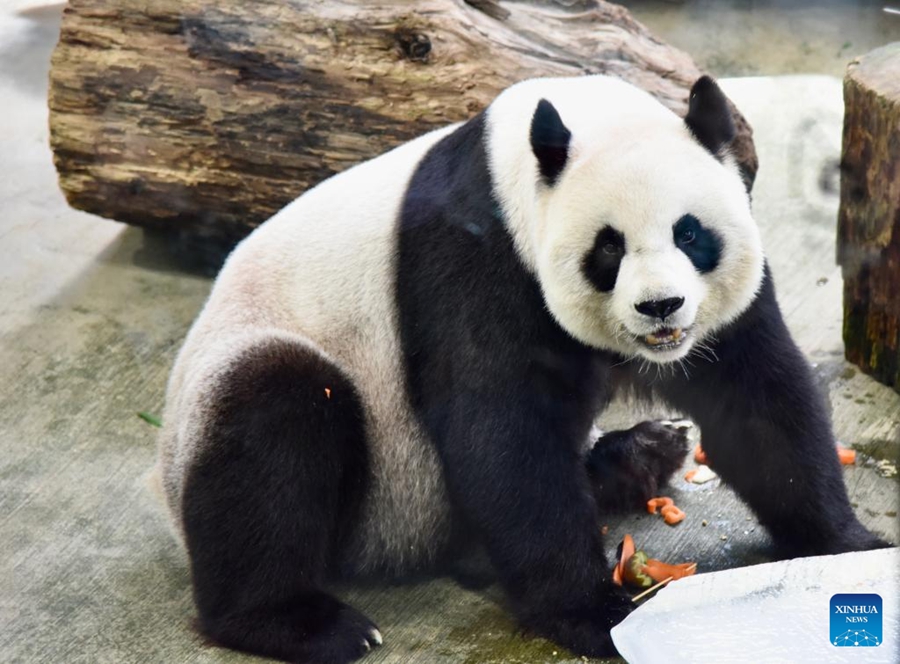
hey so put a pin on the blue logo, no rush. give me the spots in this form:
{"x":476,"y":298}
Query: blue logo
{"x":856,"y":620}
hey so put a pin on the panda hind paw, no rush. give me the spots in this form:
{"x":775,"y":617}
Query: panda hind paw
{"x":629,"y":467}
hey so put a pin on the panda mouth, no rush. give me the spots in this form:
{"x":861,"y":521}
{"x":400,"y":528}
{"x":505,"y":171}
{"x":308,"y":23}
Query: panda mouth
{"x":665,"y":338}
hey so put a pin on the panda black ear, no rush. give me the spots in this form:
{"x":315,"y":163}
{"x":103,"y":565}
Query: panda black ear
{"x":549,"y":141}
{"x":709,"y":117}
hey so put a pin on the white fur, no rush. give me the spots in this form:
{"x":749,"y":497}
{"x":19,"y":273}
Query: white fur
{"x":632,"y":165}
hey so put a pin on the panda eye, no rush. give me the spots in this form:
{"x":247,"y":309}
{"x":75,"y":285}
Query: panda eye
{"x":601,"y":263}
{"x":687,"y":236}
{"x":702,"y":246}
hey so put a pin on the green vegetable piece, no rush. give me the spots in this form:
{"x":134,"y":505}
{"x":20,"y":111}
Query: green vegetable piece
{"x":150,"y":419}
{"x":634,"y":573}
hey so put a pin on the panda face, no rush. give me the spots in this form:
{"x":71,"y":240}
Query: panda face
{"x":649,"y":248}
{"x":635,"y":222}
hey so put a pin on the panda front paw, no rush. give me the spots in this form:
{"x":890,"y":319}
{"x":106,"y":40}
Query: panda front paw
{"x":854,"y":537}
{"x":629,"y":467}
{"x":865,"y":542}
{"x":584,"y":630}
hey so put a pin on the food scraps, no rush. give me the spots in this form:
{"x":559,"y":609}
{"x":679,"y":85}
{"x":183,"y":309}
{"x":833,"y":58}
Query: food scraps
{"x":700,"y":455}
{"x":655,"y":503}
{"x":150,"y":419}
{"x":634,"y":574}
{"x":637,"y":569}
{"x":886,"y":468}
{"x":700,"y":475}
{"x":626,"y":550}
{"x":660,"y":571}
{"x":846,"y":456}
{"x":670,"y":512}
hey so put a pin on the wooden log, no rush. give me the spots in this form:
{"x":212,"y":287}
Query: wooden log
{"x":205,"y":117}
{"x":869,"y":217}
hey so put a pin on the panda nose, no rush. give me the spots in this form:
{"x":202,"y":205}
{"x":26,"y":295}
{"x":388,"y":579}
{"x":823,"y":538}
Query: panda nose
{"x":660,"y":308}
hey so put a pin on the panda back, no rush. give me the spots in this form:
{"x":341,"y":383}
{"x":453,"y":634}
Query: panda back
{"x":321,"y":273}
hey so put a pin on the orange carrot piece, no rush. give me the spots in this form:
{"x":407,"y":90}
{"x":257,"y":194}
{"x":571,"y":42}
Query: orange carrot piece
{"x":700,"y":456}
{"x":689,"y":475}
{"x":655,"y":503}
{"x":846,"y":456}
{"x":672,"y":514}
{"x":628,"y":550}
{"x":659,"y":571}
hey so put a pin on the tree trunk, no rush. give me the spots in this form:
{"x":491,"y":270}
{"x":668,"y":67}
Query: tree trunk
{"x":869,"y":217}
{"x":205,"y":117}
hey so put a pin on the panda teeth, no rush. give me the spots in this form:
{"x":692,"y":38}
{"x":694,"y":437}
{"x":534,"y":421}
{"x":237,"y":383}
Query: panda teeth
{"x":665,"y":337}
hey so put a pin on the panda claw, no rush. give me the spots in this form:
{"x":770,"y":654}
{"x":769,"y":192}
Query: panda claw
{"x":375,"y":637}
{"x":682,"y":425}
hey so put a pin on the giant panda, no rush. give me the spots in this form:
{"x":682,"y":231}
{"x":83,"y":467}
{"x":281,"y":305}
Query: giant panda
{"x":408,"y":359}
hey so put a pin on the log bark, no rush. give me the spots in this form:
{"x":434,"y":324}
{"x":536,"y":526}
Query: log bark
{"x":205,"y":117}
{"x":869,"y":216}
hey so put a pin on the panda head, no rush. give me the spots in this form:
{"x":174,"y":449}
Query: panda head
{"x":636,"y":222}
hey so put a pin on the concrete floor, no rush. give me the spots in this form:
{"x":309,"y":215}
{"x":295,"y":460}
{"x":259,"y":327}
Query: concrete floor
{"x":92,"y":312}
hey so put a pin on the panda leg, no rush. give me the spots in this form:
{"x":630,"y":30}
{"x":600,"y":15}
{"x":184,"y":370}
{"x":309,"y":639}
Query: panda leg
{"x":767,"y":432}
{"x":269,"y":502}
{"x":628,"y":467}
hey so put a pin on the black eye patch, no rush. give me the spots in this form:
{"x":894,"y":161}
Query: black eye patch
{"x":702,"y":245}
{"x":601,"y":264}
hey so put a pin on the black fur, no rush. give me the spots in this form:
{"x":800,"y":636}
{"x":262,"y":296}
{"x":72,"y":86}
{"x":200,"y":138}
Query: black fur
{"x":709,"y":117}
{"x":507,"y":397}
{"x":601,"y":264}
{"x":628,"y":468}
{"x":702,"y":245}
{"x":549,"y":141}
{"x":267,"y":505}
{"x":767,"y":432}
